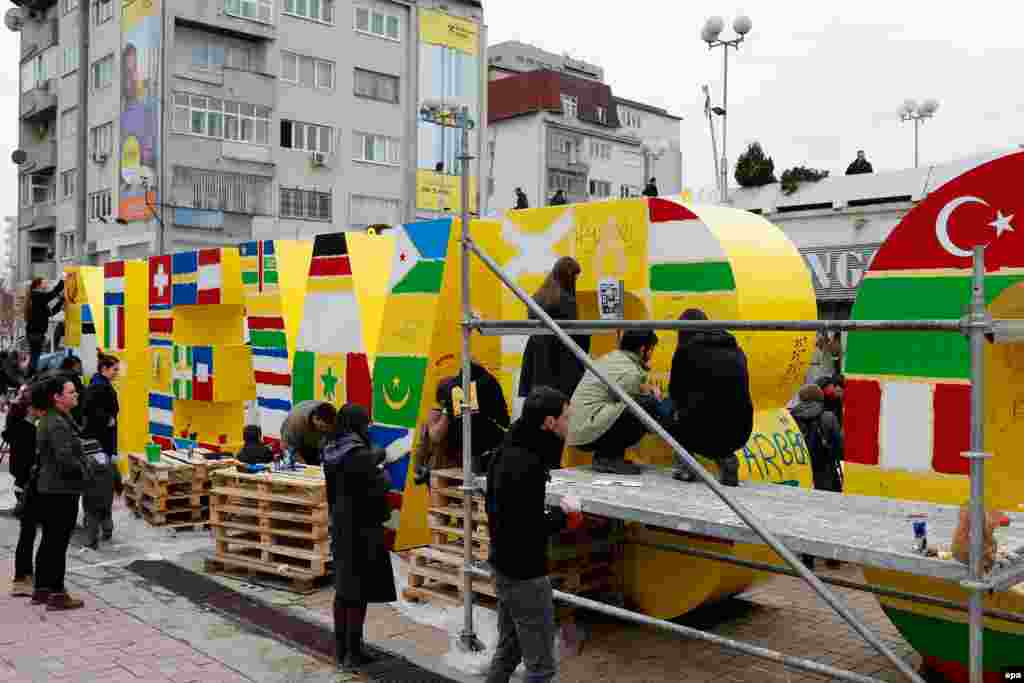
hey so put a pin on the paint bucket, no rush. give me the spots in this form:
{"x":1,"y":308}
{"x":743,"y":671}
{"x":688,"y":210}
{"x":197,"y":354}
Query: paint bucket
{"x":152,"y":453}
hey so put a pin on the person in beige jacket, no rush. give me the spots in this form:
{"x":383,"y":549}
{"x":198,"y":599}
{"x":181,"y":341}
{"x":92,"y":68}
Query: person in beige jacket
{"x":602,"y":424}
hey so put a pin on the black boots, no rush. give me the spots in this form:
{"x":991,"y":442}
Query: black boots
{"x":729,"y":466}
{"x":619,"y":466}
{"x":348,"y":635}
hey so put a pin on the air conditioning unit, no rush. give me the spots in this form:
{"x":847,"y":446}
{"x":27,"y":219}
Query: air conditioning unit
{"x":100,"y":157}
{"x":318,"y":158}
{"x":44,"y":86}
{"x":90,"y":247}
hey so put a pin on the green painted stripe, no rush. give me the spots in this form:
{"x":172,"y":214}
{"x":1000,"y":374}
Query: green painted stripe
{"x":947,"y":640}
{"x":106,"y":327}
{"x":424,"y":278}
{"x":302,"y":376}
{"x":250,"y":277}
{"x":268,"y":339}
{"x":940,"y":355}
{"x":270,"y":276}
{"x":714,"y":276}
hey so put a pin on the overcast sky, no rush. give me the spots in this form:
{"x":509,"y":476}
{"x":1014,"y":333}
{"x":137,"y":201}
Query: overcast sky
{"x":812,"y":85}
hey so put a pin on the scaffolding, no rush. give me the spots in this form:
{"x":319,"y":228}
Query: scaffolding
{"x":975,"y":325}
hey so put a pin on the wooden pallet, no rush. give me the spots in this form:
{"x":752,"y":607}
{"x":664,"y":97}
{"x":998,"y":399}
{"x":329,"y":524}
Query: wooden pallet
{"x":172,"y":492}
{"x":174,"y":519}
{"x":435,"y":575}
{"x":289,"y":578}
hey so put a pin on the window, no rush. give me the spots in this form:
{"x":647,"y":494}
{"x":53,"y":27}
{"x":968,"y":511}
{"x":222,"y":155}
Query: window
{"x":68,"y":180}
{"x":99,"y":205}
{"x":378,"y":24}
{"x":600,"y":150}
{"x":214,"y":56}
{"x":365,"y":211}
{"x":99,"y":139}
{"x":70,"y":59}
{"x":601,"y":114}
{"x":216,"y":190}
{"x":257,"y":10}
{"x":309,"y":72}
{"x":103,"y":72}
{"x":600,"y":188}
{"x":36,"y":72}
{"x":102,"y":11}
{"x":36,"y":188}
{"x":570,"y":106}
{"x":317,"y":10}
{"x":376,"y":86}
{"x":306,"y":136}
{"x":69,"y":123}
{"x":67,"y":246}
{"x":630,"y":118}
{"x":377,"y":148}
{"x":305,"y":204}
{"x":222,"y":119}
{"x":569,"y":182}
{"x":69,"y":5}
{"x":626,"y":191}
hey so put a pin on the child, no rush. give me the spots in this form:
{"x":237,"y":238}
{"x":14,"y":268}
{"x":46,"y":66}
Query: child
{"x":254,"y":452}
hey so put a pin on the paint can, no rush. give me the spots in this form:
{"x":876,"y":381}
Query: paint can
{"x":152,"y":453}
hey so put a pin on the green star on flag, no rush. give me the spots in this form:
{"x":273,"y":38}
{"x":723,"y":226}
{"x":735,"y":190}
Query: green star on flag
{"x":329,"y":382}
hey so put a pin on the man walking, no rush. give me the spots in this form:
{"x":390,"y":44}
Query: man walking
{"x":520,"y":525}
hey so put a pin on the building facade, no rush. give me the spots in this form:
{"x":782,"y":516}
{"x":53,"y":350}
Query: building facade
{"x":550,"y":131}
{"x":152,"y":125}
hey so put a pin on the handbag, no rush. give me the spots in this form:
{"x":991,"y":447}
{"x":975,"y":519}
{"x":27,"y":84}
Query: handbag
{"x":81,"y":467}
{"x":27,"y":496}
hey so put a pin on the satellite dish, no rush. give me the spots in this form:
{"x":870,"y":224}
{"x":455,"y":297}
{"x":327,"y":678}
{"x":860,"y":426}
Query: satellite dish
{"x":14,"y":19}
{"x":18,"y":156}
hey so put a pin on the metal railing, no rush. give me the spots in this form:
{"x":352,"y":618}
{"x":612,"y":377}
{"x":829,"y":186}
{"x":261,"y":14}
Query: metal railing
{"x":975,"y":326}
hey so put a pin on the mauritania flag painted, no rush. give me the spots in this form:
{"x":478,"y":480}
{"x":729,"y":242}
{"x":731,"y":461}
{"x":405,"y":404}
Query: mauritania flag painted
{"x":907,"y":396}
{"x":420,"y":251}
{"x":706,"y":268}
{"x":398,"y":389}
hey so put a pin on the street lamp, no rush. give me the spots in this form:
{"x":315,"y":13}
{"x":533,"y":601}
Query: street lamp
{"x":918,"y":113}
{"x":653,"y":150}
{"x":710,"y":34}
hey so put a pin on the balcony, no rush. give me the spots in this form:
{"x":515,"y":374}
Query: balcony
{"x":41,"y":155}
{"x":37,"y":36}
{"x":44,"y":269}
{"x":40,"y":102}
{"x":35,"y":5}
{"x":206,"y":14}
{"x":251,"y":87}
{"x":37,"y":216}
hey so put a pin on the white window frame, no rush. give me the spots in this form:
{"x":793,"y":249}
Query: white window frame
{"x":319,"y":131}
{"x":327,"y":10}
{"x":103,"y":11}
{"x":263,"y":10}
{"x":100,"y":205}
{"x":69,"y":5}
{"x":68,"y":183}
{"x":570,"y":106}
{"x":306,"y":205}
{"x":317,"y":65}
{"x":96,"y":72}
{"x":31,"y":183}
{"x":101,"y":138}
{"x":226,"y":111}
{"x":67,"y":246}
{"x":392,"y":149}
{"x":386,"y":18}
{"x":376,"y":75}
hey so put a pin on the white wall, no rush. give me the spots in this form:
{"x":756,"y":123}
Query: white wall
{"x":518,"y":161}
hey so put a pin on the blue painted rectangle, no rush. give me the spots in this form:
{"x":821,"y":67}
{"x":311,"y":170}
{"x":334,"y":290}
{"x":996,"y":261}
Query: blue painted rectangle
{"x":278,"y":404}
{"x":268,"y":247}
{"x":87,"y":313}
{"x":184,"y":294}
{"x":160,"y":307}
{"x":113,"y":299}
{"x":161,"y":401}
{"x":249,"y":249}
{"x":185,"y":262}
{"x":198,"y":218}
{"x":157,"y":429}
{"x":160,"y":342}
{"x":267,"y":352}
{"x":202,"y":355}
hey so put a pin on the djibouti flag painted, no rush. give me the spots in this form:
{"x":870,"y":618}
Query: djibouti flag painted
{"x":398,"y":390}
{"x":420,"y":251}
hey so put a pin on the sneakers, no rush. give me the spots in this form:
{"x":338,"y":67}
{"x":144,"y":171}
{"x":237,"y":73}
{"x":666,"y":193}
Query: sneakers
{"x":620,"y":467}
{"x":60,"y":602}
{"x":22,"y":587}
{"x":40,"y":597}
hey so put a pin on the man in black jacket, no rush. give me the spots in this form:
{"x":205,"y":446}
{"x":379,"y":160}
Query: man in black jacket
{"x":520,"y":525}
{"x":710,"y":390}
{"x":37,"y":317}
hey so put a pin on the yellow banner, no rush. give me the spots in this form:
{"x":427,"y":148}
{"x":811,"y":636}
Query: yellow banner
{"x":440,"y":192}
{"x":439,"y":28}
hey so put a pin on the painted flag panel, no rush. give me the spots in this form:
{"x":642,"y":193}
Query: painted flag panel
{"x":161,"y":326}
{"x":161,"y":415}
{"x":183,"y":372}
{"x":905,"y":432}
{"x":330,"y":269}
{"x":160,"y":270}
{"x":185,"y":278}
{"x":203,"y":373}
{"x":707,"y":267}
{"x":862,"y":400}
{"x":259,"y":266}
{"x":952,"y":428}
{"x":398,"y":389}
{"x":267,"y":331}
{"x":210,"y":278}
{"x":113,"y":327}
{"x":418,"y":264}
{"x":113,"y":283}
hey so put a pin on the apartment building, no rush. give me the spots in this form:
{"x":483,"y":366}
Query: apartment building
{"x":150,"y":125}
{"x":552,"y":131}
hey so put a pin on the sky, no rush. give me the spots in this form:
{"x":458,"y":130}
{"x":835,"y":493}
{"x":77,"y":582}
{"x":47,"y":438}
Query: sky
{"x":811,"y":85}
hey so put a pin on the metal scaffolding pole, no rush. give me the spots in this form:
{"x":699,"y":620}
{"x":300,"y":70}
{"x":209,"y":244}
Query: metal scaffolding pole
{"x":831,"y":599}
{"x":532,"y":327}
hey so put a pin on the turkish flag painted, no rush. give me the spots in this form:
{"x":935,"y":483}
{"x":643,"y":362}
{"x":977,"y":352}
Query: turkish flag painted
{"x":982,"y":206}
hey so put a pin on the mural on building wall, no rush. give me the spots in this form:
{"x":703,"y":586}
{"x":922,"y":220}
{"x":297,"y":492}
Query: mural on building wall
{"x":449,"y":73}
{"x":141,"y":34}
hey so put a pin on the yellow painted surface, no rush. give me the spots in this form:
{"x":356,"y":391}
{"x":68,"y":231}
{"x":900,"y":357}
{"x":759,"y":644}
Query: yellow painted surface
{"x":91,"y":286}
{"x":293,"y":258}
{"x":136,"y":305}
{"x":211,"y":421}
{"x":232,"y":374}
{"x":232,"y":293}
{"x":209,"y":325}
{"x":408,"y":324}
{"x":132,"y":392}
{"x":371,"y":268}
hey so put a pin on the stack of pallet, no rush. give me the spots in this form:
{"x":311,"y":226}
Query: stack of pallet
{"x":271,"y":523}
{"x":584,"y":561}
{"x":174,"y":492}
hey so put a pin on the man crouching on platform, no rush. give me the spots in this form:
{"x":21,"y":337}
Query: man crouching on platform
{"x":600,"y":422}
{"x":520,"y":525}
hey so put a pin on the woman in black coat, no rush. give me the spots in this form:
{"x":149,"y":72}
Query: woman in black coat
{"x":100,"y":414}
{"x":546,"y":361}
{"x":362,"y":562}
{"x":20,"y":433}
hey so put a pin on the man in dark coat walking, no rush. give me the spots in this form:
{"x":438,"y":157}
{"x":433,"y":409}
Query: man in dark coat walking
{"x":651,"y":189}
{"x":37,"y":317}
{"x":709,"y":386}
{"x":521,"y":201}
{"x":520,"y":525}
{"x":101,"y":410}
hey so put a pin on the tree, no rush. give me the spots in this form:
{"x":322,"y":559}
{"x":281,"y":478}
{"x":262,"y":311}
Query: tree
{"x":753,"y":168}
{"x":792,"y":178}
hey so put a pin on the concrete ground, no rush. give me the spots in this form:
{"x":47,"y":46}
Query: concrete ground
{"x":132,"y":630}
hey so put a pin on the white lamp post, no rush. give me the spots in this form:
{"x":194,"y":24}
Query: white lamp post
{"x":653,"y":150}
{"x":918,"y":113}
{"x":710,"y":34}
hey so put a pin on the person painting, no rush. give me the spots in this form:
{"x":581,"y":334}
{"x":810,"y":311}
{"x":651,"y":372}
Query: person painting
{"x":362,"y":563}
{"x":101,"y":410}
{"x":303,"y":431}
{"x":37,"y":317}
{"x":64,"y":473}
{"x":546,"y":361}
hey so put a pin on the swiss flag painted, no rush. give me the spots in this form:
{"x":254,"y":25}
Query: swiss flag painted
{"x":160,"y":281}
{"x":982,"y":206}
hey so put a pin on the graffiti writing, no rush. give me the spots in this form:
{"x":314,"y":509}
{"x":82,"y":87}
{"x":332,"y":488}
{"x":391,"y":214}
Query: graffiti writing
{"x":590,"y":234}
{"x":766,"y":454}
{"x":795,"y":367}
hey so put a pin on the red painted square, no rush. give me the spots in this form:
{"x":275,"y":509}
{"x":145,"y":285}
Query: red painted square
{"x":952,"y":428}
{"x":862,"y":403}
{"x":358,"y":381}
{"x":663,"y":211}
